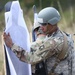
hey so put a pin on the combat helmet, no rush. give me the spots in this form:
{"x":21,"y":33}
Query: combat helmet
{"x":48,"y":15}
{"x":36,"y":25}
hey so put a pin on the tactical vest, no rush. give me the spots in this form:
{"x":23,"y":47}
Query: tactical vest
{"x":61,"y":56}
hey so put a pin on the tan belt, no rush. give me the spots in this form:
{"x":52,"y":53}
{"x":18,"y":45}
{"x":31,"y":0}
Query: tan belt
{"x":53,"y":74}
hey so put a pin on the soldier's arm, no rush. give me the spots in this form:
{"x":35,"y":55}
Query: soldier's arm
{"x":46,"y":49}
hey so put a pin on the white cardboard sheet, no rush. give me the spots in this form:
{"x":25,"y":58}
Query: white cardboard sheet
{"x":16,"y":26}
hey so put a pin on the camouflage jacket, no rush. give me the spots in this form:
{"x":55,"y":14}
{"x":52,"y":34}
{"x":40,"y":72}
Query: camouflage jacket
{"x":47,"y":49}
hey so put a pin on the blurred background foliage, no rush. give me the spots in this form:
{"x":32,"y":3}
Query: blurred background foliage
{"x":65,"y":7}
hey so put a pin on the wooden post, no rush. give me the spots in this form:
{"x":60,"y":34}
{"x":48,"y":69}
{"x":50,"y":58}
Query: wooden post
{"x":5,"y":60}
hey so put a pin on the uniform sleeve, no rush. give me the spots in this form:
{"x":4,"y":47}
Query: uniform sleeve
{"x":40,"y":51}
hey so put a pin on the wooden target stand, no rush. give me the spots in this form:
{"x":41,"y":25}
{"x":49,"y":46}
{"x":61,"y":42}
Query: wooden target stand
{"x":5,"y":60}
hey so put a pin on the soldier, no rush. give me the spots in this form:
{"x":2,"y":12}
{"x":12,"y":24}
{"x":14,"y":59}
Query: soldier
{"x":57,"y":49}
{"x":39,"y":37}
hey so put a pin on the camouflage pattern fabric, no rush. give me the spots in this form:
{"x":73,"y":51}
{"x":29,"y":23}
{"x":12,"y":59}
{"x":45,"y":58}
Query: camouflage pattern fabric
{"x":47,"y":49}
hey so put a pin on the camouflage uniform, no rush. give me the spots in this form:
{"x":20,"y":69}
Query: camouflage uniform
{"x":38,"y":41}
{"x":47,"y":49}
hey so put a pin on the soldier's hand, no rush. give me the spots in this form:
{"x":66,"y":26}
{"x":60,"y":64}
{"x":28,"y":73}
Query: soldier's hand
{"x":7,"y":39}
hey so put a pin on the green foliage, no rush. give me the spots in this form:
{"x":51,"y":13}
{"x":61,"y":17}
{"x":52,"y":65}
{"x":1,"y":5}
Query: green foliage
{"x":65,"y":7}
{"x":2,"y":21}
